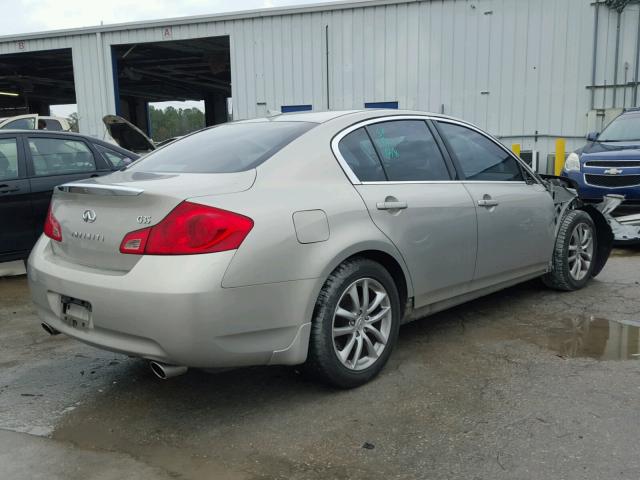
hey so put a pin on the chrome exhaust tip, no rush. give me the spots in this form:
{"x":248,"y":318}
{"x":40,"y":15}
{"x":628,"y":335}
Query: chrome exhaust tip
{"x":49,"y":329}
{"x":164,"y":371}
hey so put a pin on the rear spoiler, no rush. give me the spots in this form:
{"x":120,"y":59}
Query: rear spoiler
{"x":99,"y":189}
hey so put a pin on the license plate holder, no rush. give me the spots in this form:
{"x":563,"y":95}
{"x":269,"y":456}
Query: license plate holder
{"x":76,"y":313}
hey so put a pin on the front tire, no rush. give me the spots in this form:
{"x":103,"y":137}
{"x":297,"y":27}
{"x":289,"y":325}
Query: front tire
{"x":574,"y":255}
{"x":355,"y":325}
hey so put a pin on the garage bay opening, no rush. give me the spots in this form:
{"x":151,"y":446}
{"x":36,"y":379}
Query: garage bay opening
{"x":171,"y":88}
{"x":31,"y":82}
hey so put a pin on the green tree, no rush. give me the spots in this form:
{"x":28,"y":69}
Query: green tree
{"x":73,"y":122}
{"x":171,"y":122}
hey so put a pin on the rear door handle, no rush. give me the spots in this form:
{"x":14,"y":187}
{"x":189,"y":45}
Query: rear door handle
{"x":10,"y":190}
{"x":488,"y":203}
{"x":391,"y":205}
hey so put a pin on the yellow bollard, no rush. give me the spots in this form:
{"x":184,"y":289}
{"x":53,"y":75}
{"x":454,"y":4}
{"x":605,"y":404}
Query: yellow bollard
{"x":515,"y":148}
{"x":560,"y":156}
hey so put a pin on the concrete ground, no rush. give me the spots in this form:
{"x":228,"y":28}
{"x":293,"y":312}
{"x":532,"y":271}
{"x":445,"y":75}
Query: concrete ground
{"x":524,"y":384}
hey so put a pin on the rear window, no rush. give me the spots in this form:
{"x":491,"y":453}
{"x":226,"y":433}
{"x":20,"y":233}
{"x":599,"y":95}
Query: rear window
{"x":53,"y":125}
{"x":228,"y":148}
{"x":116,"y":159}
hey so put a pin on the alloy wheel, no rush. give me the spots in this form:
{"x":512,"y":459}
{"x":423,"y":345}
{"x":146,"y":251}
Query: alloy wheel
{"x":580,"y":251}
{"x":362,"y":324}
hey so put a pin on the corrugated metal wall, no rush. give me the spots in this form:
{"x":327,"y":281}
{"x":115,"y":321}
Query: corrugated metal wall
{"x":510,"y":66}
{"x":627,"y":58}
{"x":513,"y":67}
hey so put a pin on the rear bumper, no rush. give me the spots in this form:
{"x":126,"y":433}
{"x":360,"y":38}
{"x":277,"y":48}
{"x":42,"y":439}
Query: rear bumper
{"x":174,"y":310}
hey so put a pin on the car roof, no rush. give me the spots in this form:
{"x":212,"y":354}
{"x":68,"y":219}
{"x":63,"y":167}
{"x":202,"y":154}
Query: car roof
{"x":322,"y":117}
{"x":312,"y":117}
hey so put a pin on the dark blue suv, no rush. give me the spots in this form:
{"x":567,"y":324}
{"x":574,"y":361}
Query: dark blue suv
{"x":610,"y":162}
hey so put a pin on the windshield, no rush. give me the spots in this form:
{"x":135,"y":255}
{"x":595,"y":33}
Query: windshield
{"x":228,"y":148}
{"x":625,"y":128}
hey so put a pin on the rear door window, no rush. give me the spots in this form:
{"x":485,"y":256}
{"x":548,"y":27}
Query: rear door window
{"x":232,"y":147}
{"x":60,"y":156}
{"x":480,"y":158}
{"x":408,"y":151}
{"x":8,"y":159}
{"x":53,"y":125}
{"x":359,"y":153}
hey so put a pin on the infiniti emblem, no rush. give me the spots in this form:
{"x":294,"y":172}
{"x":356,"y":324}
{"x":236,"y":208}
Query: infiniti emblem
{"x":89,"y":216}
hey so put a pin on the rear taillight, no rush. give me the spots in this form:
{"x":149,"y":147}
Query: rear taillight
{"x":52,"y":226}
{"x":189,"y":229}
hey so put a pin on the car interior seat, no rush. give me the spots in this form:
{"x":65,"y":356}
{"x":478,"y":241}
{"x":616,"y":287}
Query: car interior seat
{"x":363,"y":164}
{"x":5,"y":167}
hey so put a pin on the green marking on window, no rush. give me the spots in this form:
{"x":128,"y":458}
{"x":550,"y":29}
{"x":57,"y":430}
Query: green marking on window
{"x":388,"y":149}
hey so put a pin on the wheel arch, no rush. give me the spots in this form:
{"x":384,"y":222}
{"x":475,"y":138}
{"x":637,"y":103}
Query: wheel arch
{"x":394,"y":268}
{"x":379,"y":252}
{"x":604,"y":237}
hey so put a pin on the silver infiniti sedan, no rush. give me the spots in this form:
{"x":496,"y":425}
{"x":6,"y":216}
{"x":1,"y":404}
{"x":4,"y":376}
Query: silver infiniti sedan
{"x":303,"y":239}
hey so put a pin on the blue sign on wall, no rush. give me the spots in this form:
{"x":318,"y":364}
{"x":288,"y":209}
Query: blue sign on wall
{"x":295,"y":108}
{"x":393,"y":105}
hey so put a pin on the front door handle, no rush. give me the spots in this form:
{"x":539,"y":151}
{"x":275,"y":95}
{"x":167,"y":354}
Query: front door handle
{"x":391,"y":205}
{"x":488,"y":202}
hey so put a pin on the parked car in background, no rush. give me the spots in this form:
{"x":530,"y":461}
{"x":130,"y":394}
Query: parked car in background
{"x":302,"y":238}
{"x":610,"y":162}
{"x":127,"y":135}
{"x":32,"y":163}
{"x":35,"y":122}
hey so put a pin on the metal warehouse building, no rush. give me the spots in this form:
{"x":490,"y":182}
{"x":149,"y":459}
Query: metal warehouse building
{"x":527,"y":71}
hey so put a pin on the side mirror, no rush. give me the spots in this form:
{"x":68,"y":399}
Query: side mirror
{"x":592,"y":136}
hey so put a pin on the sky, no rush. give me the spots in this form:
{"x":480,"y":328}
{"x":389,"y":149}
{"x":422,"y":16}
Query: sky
{"x":26,"y":16}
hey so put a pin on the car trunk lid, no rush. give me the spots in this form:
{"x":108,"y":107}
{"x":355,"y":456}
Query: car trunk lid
{"x":96,"y":214}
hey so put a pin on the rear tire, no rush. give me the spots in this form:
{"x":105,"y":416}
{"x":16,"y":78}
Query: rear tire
{"x":355,"y":324}
{"x":574,"y":255}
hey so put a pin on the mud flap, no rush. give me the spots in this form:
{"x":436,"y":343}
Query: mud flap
{"x":604,"y":236}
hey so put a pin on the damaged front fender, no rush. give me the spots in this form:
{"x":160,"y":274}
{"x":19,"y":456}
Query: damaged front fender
{"x":604,"y":237}
{"x":565,"y":198}
{"x":626,"y":229}
{"x":605,"y":234}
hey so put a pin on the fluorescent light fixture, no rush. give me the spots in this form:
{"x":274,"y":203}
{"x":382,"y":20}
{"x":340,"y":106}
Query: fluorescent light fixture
{"x":10,"y":94}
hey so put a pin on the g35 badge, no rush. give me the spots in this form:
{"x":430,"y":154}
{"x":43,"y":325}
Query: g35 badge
{"x":144,"y":219}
